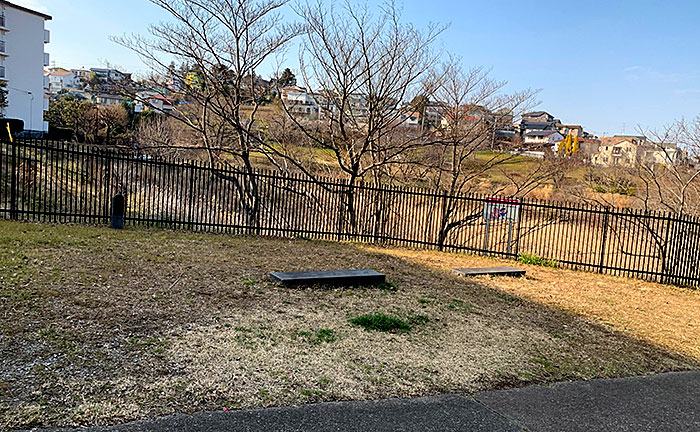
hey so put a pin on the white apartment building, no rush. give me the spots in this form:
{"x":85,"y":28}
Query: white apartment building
{"x":22,"y":61}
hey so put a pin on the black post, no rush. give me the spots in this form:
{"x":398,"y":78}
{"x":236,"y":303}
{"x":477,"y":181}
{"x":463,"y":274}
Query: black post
{"x":118,"y":207}
{"x":13,"y":182}
{"x":602,"y":243}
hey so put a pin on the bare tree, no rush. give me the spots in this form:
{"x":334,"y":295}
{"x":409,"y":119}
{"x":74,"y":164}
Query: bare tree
{"x":220,"y":45}
{"x":113,"y":119}
{"x":474,"y":107}
{"x":363,"y":67}
{"x":165,"y":137}
{"x":669,"y":169}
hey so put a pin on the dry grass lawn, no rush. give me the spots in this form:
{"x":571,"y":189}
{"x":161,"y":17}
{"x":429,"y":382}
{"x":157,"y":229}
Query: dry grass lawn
{"x":102,"y":326}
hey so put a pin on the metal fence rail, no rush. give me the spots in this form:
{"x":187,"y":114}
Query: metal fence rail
{"x":65,"y":182}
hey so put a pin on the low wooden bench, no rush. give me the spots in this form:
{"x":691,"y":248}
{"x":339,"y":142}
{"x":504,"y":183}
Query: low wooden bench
{"x":331,"y":277}
{"x":493,"y":271}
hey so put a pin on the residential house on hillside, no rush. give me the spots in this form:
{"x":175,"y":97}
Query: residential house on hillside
{"x":107,"y":99}
{"x":537,"y":121}
{"x":60,"y":79}
{"x":152,"y":100}
{"x":464,"y":119}
{"x":22,"y":61}
{"x":433,"y":113}
{"x":299,"y":102}
{"x":541,"y":131}
{"x":573,"y":130}
{"x":411,"y":119}
{"x":538,"y":117}
{"x":618,"y":151}
{"x":663,"y":154}
{"x":110,"y":76}
{"x":82,"y":77}
{"x":545,"y":138}
{"x":628,"y":150}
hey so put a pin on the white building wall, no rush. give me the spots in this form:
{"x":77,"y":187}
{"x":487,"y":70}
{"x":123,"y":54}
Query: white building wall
{"x":24,"y":67}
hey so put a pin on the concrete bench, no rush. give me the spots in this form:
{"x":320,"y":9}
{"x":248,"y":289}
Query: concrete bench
{"x":331,"y":277}
{"x":493,"y":271}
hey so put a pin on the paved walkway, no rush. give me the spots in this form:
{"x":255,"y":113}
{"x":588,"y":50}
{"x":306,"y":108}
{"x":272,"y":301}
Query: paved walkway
{"x":667,"y":402}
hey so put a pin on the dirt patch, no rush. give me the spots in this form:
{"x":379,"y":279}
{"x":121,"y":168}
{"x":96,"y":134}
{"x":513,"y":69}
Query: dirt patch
{"x":103,"y":326}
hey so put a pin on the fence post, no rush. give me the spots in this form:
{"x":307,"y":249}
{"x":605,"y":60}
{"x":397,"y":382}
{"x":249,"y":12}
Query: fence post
{"x":13,"y":182}
{"x":517,"y":235}
{"x":191,"y":193}
{"x":444,"y":221}
{"x":605,"y":236}
{"x":664,"y":252}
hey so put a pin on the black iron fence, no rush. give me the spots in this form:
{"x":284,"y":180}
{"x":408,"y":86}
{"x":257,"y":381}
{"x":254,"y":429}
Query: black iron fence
{"x":65,"y":182}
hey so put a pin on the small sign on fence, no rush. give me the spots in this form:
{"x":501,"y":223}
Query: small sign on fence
{"x":502,"y":209}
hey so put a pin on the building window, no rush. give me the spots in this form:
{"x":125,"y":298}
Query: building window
{"x":617,"y":151}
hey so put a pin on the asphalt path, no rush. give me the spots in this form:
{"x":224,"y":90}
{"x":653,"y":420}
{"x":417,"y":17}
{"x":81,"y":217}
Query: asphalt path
{"x":665,"y":402}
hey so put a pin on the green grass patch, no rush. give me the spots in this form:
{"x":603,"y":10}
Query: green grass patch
{"x":537,"y":260}
{"x":317,"y":337}
{"x":381,"y":322}
{"x":324,"y":335}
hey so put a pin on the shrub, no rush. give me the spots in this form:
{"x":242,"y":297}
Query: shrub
{"x":536,"y":260}
{"x":381,"y":322}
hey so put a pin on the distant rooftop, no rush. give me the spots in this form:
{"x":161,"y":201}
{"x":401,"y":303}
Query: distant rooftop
{"x":60,"y":73}
{"x":536,"y":125}
{"x":537,"y":114}
{"x":541,"y":133}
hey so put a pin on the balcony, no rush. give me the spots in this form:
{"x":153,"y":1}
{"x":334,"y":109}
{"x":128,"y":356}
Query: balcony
{"x":47,"y":36}
{"x":46,"y":82}
{"x":46,"y":59}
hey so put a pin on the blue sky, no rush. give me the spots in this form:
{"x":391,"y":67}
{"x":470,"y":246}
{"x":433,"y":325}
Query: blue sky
{"x":609,"y":65}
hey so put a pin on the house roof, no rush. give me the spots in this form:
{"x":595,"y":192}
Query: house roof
{"x":463,"y":116}
{"x":537,"y":114}
{"x":163,"y":98}
{"x":614,"y":140}
{"x":294,"y":89}
{"x":536,"y":125}
{"x":24,"y":9}
{"x":109,"y":96}
{"x":60,"y":73}
{"x":541,"y":133}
